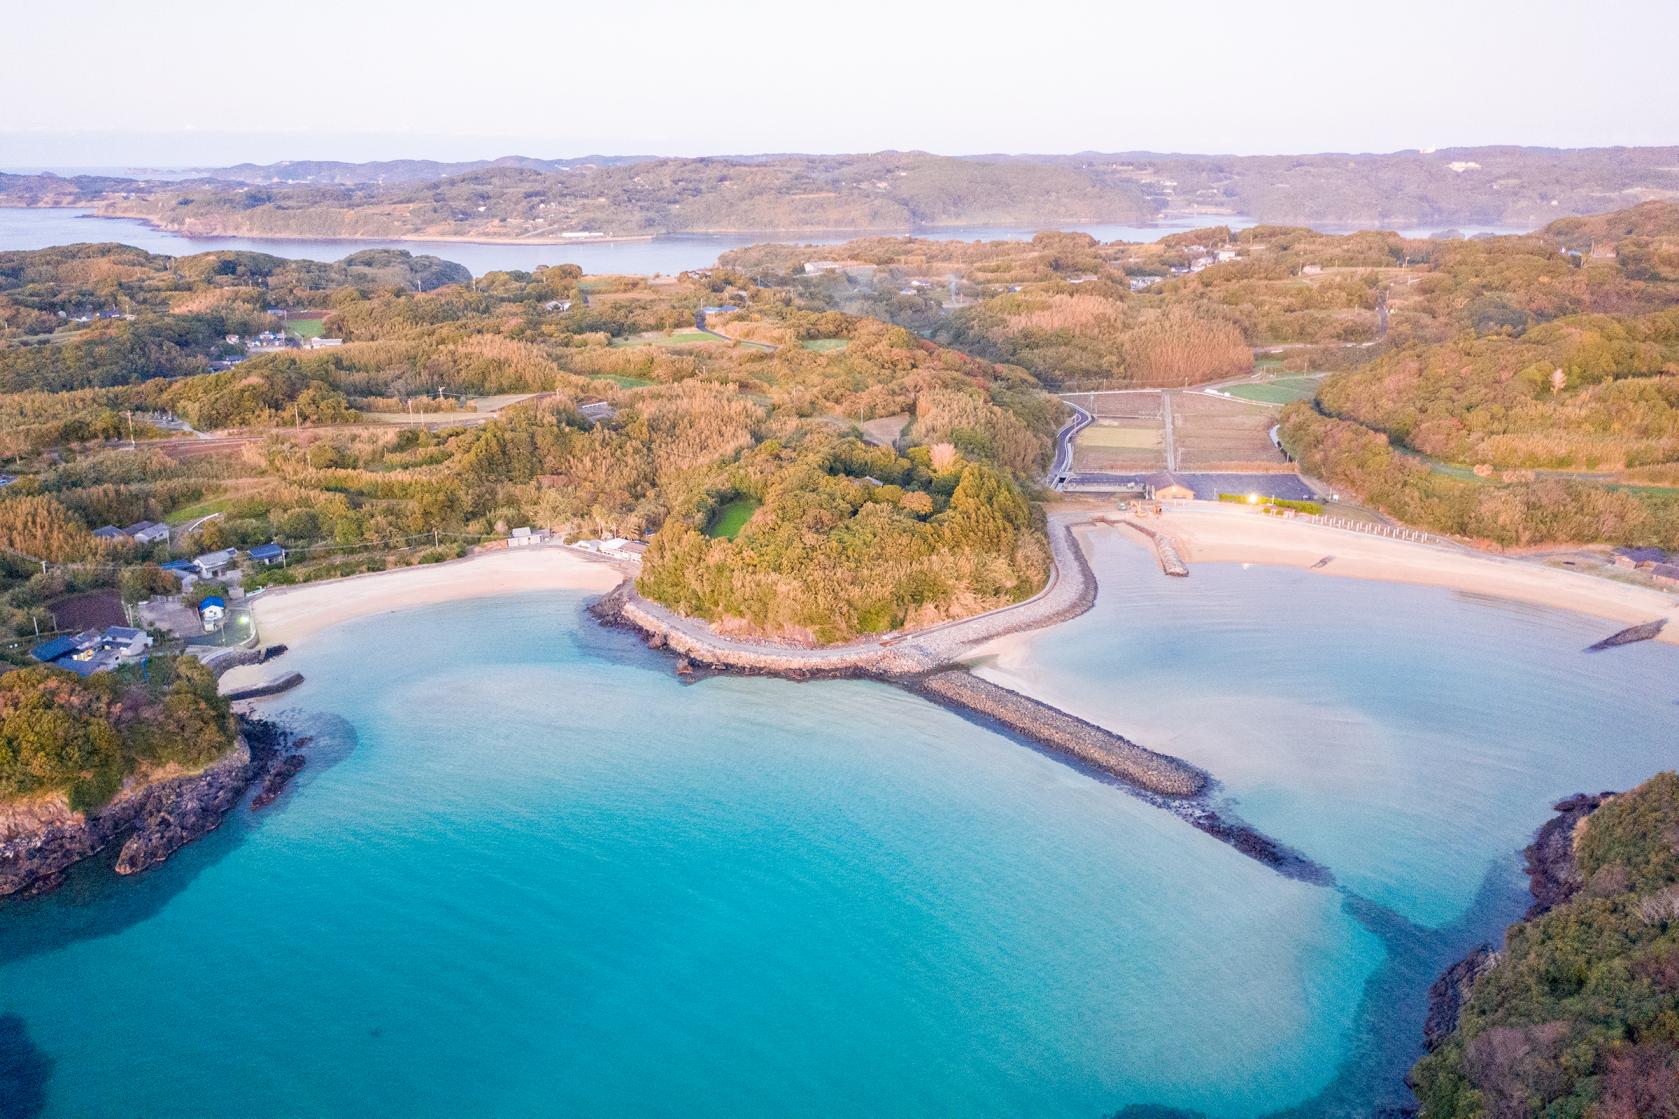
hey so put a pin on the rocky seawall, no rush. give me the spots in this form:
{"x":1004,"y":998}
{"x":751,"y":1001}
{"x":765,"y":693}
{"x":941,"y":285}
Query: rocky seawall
{"x":40,"y":840}
{"x":1059,"y":732}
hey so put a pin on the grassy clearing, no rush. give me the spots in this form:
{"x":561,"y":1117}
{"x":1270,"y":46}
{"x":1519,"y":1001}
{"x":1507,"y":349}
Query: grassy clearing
{"x":1283,"y":390}
{"x":307,"y":328}
{"x":199,"y":509}
{"x":731,"y":518}
{"x":621,"y":381}
{"x":670,"y":338}
{"x":826,"y":345}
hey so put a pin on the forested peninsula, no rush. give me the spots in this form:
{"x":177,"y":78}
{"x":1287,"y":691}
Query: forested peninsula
{"x":536,"y":200}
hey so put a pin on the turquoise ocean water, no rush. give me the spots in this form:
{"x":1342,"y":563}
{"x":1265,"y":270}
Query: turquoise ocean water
{"x":530,"y":873}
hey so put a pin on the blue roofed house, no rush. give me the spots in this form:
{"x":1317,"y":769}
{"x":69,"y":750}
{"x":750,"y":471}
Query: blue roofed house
{"x":212,"y":612}
{"x":268,"y":555}
{"x":94,"y":651}
{"x":110,"y":532}
{"x":55,"y":648}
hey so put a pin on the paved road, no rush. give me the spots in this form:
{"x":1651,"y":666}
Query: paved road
{"x":1171,"y":439}
{"x":1064,"y":444}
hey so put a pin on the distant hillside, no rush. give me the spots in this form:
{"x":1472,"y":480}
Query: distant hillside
{"x":394,"y":171}
{"x":519,"y":198}
{"x":802,"y":193}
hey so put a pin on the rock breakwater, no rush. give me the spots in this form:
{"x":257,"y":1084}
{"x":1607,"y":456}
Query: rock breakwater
{"x":1059,"y":732}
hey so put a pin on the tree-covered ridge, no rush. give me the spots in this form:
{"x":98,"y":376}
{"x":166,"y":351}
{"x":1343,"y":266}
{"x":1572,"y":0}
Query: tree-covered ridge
{"x":623,"y":433}
{"x":60,"y":732}
{"x":848,"y":540}
{"x":1580,"y":1014}
{"x":1586,"y":392}
{"x":883,"y":191}
{"x":522,"y":197}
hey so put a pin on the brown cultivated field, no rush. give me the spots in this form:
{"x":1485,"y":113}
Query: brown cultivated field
{"x":1126,"y":436}
{"x":1218,"y":434}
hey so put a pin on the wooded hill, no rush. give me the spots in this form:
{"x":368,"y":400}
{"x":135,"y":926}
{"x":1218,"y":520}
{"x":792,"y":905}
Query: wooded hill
{"x":519,"y":197}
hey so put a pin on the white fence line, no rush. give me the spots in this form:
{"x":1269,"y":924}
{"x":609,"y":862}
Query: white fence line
{"x":1371,"y":528}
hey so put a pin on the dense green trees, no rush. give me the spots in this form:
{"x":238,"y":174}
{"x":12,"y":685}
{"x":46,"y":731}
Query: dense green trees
{"x":61,"y":732}
{"x":1580,"y":1014}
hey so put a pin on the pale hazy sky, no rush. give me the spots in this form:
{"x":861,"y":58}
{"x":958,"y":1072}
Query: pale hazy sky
{"x":108,"y":83}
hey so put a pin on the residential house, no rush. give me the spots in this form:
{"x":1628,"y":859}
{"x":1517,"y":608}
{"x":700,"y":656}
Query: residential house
{"x":212,"y":612}
{"x":561,"y":305}
{"x":322,"y":343}
{"x":110,"y":532}
{"x":211,"y":564}
{"x":147,"y":532}
{"x":527,"y":537}
{"x":1665,"y":574}
{"x":268,"y":555}
{"x":95,"y":650}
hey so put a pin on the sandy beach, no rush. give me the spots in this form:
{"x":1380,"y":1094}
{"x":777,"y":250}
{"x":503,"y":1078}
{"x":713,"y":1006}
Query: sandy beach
{"x":1209,"y":533}
{"x":288,"y":615}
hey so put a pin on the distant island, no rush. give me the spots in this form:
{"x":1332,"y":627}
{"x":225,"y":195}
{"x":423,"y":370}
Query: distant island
{"x":541,"y":200}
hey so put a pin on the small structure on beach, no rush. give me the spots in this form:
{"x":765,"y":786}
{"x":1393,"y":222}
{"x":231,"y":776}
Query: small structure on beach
{"x":1174,"y":491}
{"x":527,"y":537}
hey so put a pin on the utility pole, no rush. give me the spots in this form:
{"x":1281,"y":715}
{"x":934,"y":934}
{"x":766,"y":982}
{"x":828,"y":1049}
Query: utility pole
{"x":131,"y":429}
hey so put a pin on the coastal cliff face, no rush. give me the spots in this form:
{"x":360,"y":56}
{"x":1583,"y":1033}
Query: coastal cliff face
{"x":42,"y":838}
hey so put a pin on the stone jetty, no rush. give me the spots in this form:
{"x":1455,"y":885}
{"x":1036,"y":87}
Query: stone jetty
{"x":1059,"y":732}
{"x":1164,"y":550}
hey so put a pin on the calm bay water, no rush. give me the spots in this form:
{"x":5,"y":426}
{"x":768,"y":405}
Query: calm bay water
{"x":1407,"y":737}
{"x":532,"y":874}
{"x":41,"y":228}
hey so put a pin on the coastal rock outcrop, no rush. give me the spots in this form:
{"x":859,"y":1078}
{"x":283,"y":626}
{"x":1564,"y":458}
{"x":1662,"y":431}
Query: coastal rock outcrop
{"x":43,"y":838}
{"x":1553,"y":873}
{"x":168,"y":815}
{"x":1448,"y":993}
{"x":1553,"y":878}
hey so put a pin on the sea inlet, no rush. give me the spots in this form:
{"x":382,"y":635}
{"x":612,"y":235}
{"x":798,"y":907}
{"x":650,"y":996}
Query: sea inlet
{"x":531,"y":872}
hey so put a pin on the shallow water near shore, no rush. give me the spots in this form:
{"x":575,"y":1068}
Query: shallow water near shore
{"x":550,"y":879}
{"x":1406,"y":737}
{"x":543,"y":877}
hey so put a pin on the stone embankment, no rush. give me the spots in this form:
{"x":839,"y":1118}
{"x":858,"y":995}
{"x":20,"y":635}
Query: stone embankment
{"x":259,"y":691}
{"x":924,"y":662}
{"x":1060,"y":732}
{"x":41,"y":839}
{"x":1070,"y":591}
